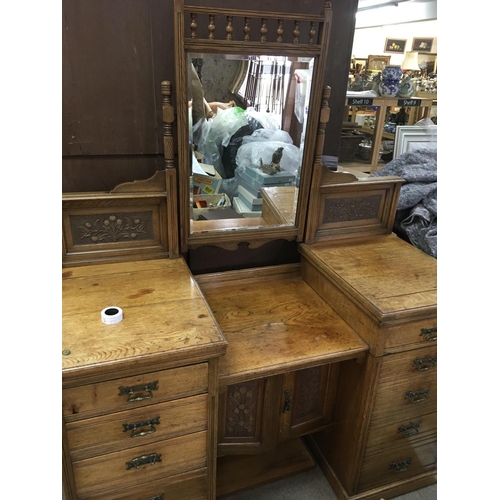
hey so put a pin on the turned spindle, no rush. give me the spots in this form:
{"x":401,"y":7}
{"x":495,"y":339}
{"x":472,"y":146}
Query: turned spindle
{"x":246,"y":29}
{"x":296,"y":32}
{"x":263,"y":30}
{"x":193,"y":25}
{"x":211,"y":26}
{"x":229,"y":28}
{"x":279,"y":31}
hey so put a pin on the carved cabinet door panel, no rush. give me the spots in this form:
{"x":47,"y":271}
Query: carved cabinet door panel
{"x":307,"y":400}
{"x":249,"y":416}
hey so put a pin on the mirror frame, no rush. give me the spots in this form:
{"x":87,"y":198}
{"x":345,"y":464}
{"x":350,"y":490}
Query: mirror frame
{"x":186,"y":41}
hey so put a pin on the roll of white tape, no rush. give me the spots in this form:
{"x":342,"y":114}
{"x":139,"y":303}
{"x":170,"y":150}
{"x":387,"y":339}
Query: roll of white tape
{"x":111,"y":315}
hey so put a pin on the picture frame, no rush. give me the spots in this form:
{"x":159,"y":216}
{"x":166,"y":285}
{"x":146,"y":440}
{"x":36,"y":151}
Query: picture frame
{"x":377,"y":63}
{"x":411,"y":137}
{"x":422,"y":44}
{"x":359,"y":64}
{"x":395,"y":45}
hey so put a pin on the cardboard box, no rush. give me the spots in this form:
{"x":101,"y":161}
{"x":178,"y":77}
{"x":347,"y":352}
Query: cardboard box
{"x":267,"y":179}
{"x":205,"y":179}
{"x":205,"y":203}
{"x":250,"y":201}
{"x":242,"y":209}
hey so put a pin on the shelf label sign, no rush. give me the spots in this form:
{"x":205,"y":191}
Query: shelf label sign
{"x":409,"y":102}
{"x":360,"y":101}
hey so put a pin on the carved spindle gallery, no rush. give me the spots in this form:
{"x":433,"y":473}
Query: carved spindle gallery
{"x":263,"y":30}
{"x":312,"y":32}
{"x":246,"y":29}
{"x":279,"y":31}
{"x":324,"y":116}
{"x":211,"y":26}
{"x":296,"y":32}
{"x":229,"y":28}
{"x":193,"y":25}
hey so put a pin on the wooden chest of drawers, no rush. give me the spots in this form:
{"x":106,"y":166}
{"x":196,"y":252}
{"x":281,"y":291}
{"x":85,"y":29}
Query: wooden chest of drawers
{"x":139,"y":397}
{"x":384,"y":441}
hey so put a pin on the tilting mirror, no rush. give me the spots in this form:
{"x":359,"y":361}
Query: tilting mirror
{"x":247,"y":123}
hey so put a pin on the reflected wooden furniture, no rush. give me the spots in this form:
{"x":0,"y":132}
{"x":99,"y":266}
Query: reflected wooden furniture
{"x":280,"y":204}
{"x":140,"y":396}
{"x":420,"y":107}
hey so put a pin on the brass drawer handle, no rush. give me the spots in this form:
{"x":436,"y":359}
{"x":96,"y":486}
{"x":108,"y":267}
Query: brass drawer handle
{"x":425,"y":364}
{"x":417,"y":396}
{"x":145,"y":391}
{"x":151,"y":459}
{"x":428,"y":333}
{"x":138,"y":425}
{"x":288,"y":403}
{"x":400,"y":466}
{"x":409,"y":430}
{"x":156,"y":497}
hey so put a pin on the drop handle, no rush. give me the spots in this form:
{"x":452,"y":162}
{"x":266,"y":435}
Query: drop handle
{"x":150,"y":459}
{"x":430,"y":334}
{"x":147,"y":426}
{"x":409,"y":430}
{"x":288,"y":403}
{"x":425,"y":364}
{"x":139,"y":392}
{"x":400,"y":466}
{"x":417,"y":396}
{"x":156,"y":497}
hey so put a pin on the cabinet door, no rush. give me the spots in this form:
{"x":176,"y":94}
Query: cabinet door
{"x":249,"y":416}
{"x":307,"y":400}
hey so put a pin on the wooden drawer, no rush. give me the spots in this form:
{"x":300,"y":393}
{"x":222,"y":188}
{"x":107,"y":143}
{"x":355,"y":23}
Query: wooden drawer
{"x":396,"y":464}
{"x":404,"y":399}
{"x":132,"y":392}
{"x":411,"y":334}
{"x":188,"y":486}
{"x":118,"y":431}
{"x":414,"y":364}
{"x":409,"y":431}
{"x":127,"y":468}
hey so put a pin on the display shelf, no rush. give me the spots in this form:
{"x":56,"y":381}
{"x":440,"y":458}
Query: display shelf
{"x":420,"y":108}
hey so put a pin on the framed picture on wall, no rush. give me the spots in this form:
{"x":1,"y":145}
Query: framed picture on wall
{"x":377,"y":63}
{"x":395,"y":45}
{"x":422,"y":44}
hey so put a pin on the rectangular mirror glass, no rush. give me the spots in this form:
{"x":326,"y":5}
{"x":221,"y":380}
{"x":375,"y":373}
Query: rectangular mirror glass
{"x":247,"y":124}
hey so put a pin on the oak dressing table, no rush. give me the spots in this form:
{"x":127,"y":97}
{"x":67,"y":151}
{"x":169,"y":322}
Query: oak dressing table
{"x":217,"y":382}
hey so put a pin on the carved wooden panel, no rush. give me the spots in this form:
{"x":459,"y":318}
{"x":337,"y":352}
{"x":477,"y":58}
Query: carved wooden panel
{"x":308,"y":400}
{"x":104,"y":228}
{"x":342,"y":207}
{"x":249,"y":416}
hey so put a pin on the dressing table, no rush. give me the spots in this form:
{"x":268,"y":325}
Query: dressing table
{"x":217,"y":382}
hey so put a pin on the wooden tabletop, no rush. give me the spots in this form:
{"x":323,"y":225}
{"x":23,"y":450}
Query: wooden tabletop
{"x":387,"y":276}
{"x":275,"y":323}
{"x":165,"y":317}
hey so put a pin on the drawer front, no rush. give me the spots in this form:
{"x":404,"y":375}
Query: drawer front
{"x":141,"y":464}
{"x":418,"y":333}
{"x":405,"y":399}
{"x":396,"y":464}
{"x":414,"y":364}
{"x":188,"y":486}
{"x":132,"y":392}
{"x":411,"y":431}
{"x":118,"y":431}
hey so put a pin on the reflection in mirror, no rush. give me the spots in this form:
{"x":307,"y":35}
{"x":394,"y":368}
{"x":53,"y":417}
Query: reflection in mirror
{"x":247,"y":123}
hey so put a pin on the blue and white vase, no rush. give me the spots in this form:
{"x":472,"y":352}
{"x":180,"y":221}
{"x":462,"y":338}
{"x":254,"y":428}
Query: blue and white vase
{"x":389,"y":86}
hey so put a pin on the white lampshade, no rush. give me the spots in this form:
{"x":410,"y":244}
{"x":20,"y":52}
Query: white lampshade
{"x":411,"y":61}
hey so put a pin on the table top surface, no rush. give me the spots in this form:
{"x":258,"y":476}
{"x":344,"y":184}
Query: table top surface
{"x":165,"y":317}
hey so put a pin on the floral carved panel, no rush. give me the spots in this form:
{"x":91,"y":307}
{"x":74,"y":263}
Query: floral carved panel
{"x":111,"y":228}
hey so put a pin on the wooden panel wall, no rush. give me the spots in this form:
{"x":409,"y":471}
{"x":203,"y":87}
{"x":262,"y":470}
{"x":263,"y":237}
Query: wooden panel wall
{"x":115,"y":55}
